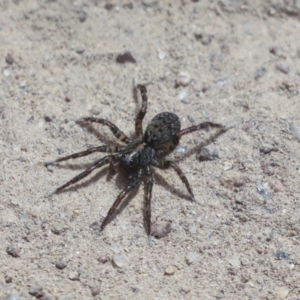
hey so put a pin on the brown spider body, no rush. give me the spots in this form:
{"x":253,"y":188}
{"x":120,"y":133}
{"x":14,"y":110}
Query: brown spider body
{"x":137,"y":157}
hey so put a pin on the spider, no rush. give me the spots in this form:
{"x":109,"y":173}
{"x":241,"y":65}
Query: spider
{"x":138,"y":156}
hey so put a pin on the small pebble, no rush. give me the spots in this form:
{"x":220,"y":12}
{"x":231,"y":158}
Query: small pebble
{"x":60,"y":264}
{"x":73,"y":275}
{"x":227,"y":166}
{"x":185,"y":289}
{"x":82,"y":16}
{"x":206,"y":39}
{"x":183,"y":79}
{"x":282,"y":292}
{"x":276,"y":185}
{"x":36,"y":291}
{"x":282,"y":255}
{"x":58,"y":228}
{"x":222,"y":82}
{"x":47,"y":296}
{"x":48,"y":118}
{"x":232,"y":179}
{"x":260,"y":72}
{"x":245,"y":261}
{"x":9,"y":59}
{"x":266,"y":148}
{"x":235,"y":262}
{"x":276,"y":50}
{"x":95,"y":291}
{"x":182,"y":95}
{"x":263,"y":191}
{"x":181,"y":149}
{"x":13,"y":251}
{"x":191,"y":258}
{"x":160,"y":229}
{"x":162,"y":55}
{"x":208,"y":153}
{"x":109,"y":6}
{"x":170,"y":270}
{"x":149,"y":3}
{"x":8,"y":278}
{"x":23,"y":84}
{"x":125,"y":57}
{"x":80,"y":50}
{"x":6,"y":72}
{"x":103,"y":259}
{"x":295,"y":131}
{"x":13,"y":296}
{"x":120,"y":260}
{"x":198,"y":33}
{"x":205,"y":88}
{"x":282,"y":68}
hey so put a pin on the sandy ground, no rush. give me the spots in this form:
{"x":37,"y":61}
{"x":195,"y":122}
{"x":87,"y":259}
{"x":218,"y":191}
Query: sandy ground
{"x":241,"y":64}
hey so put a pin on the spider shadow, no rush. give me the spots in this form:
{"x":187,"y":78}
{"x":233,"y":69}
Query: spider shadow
{"x":100,"y":136}
{"x":161,"y":181}
{"x":196,"y":149}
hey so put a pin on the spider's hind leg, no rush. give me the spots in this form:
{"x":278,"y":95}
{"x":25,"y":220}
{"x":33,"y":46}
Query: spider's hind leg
{"x":143,"y":110}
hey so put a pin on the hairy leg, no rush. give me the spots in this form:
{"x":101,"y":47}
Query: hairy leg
{"x":201,"y":126}
{"x":114,"y":129}
{"x":134,"y":183}
{"x":142,"y":112}
{"x":147,"y":198}
{"x":165,"y":164}
{"x":103,"y":161}
{"x":111,"y":149}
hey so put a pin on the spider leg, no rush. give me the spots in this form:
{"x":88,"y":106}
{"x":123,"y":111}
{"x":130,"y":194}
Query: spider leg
{"x":142,"y":112}
{"x":103,"y":161}
{"x":111,"y":149}
{"x":135,"y":182}
{"x":147,"y":197}
{"x":165,"y":164}
{"x":200,"y":126}
{"x":114,"y":129}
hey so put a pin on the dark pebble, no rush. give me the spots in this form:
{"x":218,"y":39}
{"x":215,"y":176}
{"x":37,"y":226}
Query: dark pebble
{"x":276,"y":50}
{"x":9,"y":59}
{"x":125,"y":57}
{"x":109,"y":6}
{"x":36,"y":291}
{"x":48,"y":118}
{"x":82,"y":16}
{"x":282,"y":255}
{"x":60,"y":264}
{"x":8,"y":278}
{"x":13,"y":251}
{"x":260,"y":72}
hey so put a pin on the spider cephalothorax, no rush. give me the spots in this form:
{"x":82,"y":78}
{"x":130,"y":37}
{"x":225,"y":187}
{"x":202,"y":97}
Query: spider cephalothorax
{"x":137,"y":157}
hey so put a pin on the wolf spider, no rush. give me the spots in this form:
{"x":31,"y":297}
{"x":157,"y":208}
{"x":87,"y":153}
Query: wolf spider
{"x":149,"y":148}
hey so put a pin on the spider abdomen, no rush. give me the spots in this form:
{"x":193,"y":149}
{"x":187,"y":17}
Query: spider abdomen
{"x":162,"y":129}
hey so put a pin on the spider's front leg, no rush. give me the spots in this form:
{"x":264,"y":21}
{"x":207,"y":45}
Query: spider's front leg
{"x":121,"y":136}
{"x":111,"y":149}
{"x":142,"y":112}
{"x":132,"y":184}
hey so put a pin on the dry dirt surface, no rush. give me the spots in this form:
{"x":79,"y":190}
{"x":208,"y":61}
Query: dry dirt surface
{"x":233,"y":62}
